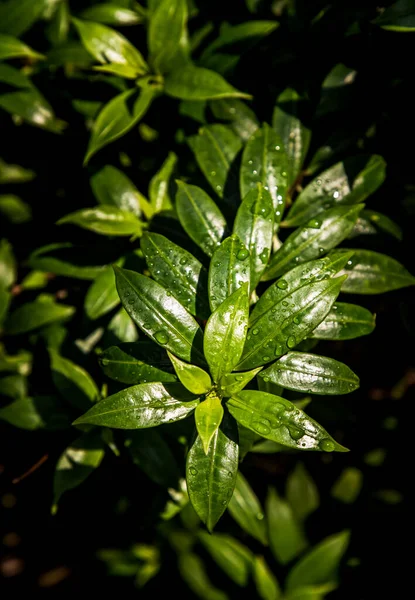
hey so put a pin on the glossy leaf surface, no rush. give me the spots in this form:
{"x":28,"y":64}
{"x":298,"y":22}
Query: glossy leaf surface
{"x":195,"y":379}
{"x":247,"y":511}
{"x":345,"y":322}
{"x":196,"y":83}
{"x":111,"y":186}
{"x":107,"y":220}
{"x":102,"y":295}
{"x":73,"y":382}
{"x":229,"y":269}
{"x":111,"y":14}
{"x":208,"y":417}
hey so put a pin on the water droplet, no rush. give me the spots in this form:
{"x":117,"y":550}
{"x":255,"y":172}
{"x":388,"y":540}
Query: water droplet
{"x":314,"y":224}
{"x":249,"y":162}
{"x":295,"y":433}
{"x":327,"y":445}
{"x":262,"y":427}
{"x":183,"y":261}
{"x":242,"y":254}
{"x":284,"y":303}
{"x":277,"y":148}
{"x":279,"y":349}
{"x":318,"y":181}
{"x":278,"y":213}
{"x":193,"y":471}
{"x":127,"y":294}
{"x":297,"y":320}
{"x":279,"y":198}
{"x":266,"y":358}
{"x":349,"y":264}
{"x":259,"y":516}
{"x":217,"y":264}
{"x":255,"y":331}
{"x":239,"y":378}
{"x":266,"y":379}
{"x":131,"y":301}
{"x":291,"y":342}
{"x":282,"y":284}
{"x":161,"y":337}
{"x":230,"y":474}
{"x":284,"y":173}
{"x":218,"y":188}
{"x":254,"y":172}
{"x":336,"y":194}
{"x":321,"y":250}
{"x":263,"y":257}
{"x":213,"y":173}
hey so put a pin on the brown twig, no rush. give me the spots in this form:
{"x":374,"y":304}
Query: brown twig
{"x":32,"y":469}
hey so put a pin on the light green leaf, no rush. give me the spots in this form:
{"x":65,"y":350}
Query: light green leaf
{"x":247,"y":511}
{"x":239,"y":117}
{"x":8,"y":266}
{"x":301,"y":492}
{"x":102,"y":295}
{"x":159,"y":188}
{"x":229,"y":554}
{"x":34,"y":315}
{"x":14,"y":209}
{"x":372,"y":221}
{"x":17,"y":16}
{"x":105,"y":219}
{"x":345,"y":322}
{"x":192,"y":571}
{"x":348,"y":486}
{"x":285,"y":535}
{"x":10,"y":173}
{"x":195,"y":83}
{"x":208,"y":417}
{"x":195,"y":379}
{"x":112,"y":187}
{"x":12,"y":47}
{"x":265,"y":581}
{"x":167,"y":35}
{"x":229,"y":269}
{"x":111,"y":14}
{"x":72,"y":381}
{"x":232,"y":383}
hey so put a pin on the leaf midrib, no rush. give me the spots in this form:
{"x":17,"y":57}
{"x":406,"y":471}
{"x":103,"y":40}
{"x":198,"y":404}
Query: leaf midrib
{"x":205,"y":222}
{"x":325,"y":376}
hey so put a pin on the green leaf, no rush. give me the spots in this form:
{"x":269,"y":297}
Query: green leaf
{"x":231,"y":383}
{"x":279,"y":420}
{"x":195,"y":83}
{"x":10,"y":173}
{"x":247,"y":511}
{"x":215,"y":148}
{"x":73,"y":382}
{"x":208,"y":417}
{"x":11,"y":47}
{"x":240,"y":118}
{"x":254,"y":224}
{"x":275,"y":333}
{"x":141,"y":406}
{"x":211,"y":478}
{"x":17,"y":16}
{"x":117,"y":117}
{"x":382,"y":222}
{"x":193,"y":572}
{"x":69,"y":260}
{"x":195,"y":379}
{"x":77,"y":462}
{"x":178,"y":271}
{"x":303,"y":275}
{"x":159,"y":188}
{"x":320,"y":565}
{"x":345,"y":322}
{"x":230,"y":35}
{"x":200,"y":217}
{"x":40,"y":412}
{"x":111,"y":14}
{"x":288,"y":122}
{"x":71,"y":53}
{"x":119,"y":70}
{"x":374,"y":273}
{"x":348,"y":486}
{"x":398,"y":17}
{"x":137,"y":362}
{"x":312,"y":374}
{"x":348,"y":182}
{"x":225,"y":333}
{"x":5,"y":299}
{"x":122,"y":328}
{"x":314,"y":239}
{"x":105,"y":219}
{"x":108,"y":46}
{"x":14,"y":209}
{"x":14,"y":386}
{"x":301,"y":492}
{"x":285,"y":535}
{"x":152,"y":454}
{"x":102,"y":295}
{"x":264,"y":161}
{"x":266,"y":583}
{"x":312,"y":592}
{"x":229,"y":554}
{"x":33,"y":315}
{"x":229,"y":269}
{"x":160,"y":315}
{"x":112,"y":187}
{"x":8,"y":266}
{"x":19,"y":363}
{"x":167,"y":35}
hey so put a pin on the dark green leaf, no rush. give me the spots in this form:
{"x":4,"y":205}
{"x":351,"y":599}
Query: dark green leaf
{"x":159,"y":185}
{"x":111,"y":14}
{"x":264,"y":161}
{"x":111,"y":186}
{"x":265,"y":581}
{"x":195,"y":83}
{"x":281,"y":421}
{"x":247,"y":511}
{"x":102,"y":295}
{"x":230,"y":555}
{"x":379,"y":221}
{"x":200,"y":217}
{"x":320,"y":565}
{"x":167,"y":35}
{"x":314,"y":239}
{"x":249,"y":32}
{"x":231,"y":383}
{"x":8,"y":267}
{"x":17,"y":16}
{"x":14,"y":386}
{"x":67,"y":260}
{"x":312,"y":374}
{"x":19,"y":363}
{"x":178,"y":271}
{"x":137,"y":362}
{"x":33,"y":315}
{"x":195,"y":379}
{"x":398,"y":17}
{"x":348,"y":486}
{"x":311,"y":592}
{"x":225,"y":333}
{"x":152,"y":454}
{"x":14,"y":209}
{"x":40,"y":412}
{"x":285,"y":535}
{"x":160,"y":315}
{"x":301,"y":492}
{"x":254,"y":224}
{"x":211,"y":478}
{"x":5,"y":299}
{"x":193,"y":572}
{"x":348,"y":182}
{"x":208,"y":417}
{"x":117,"y":117}
{"x":105,"y":219}
{"x":215,"y":148}
{"x":229,"y":269}
{"x":284,"y":326}
{"x":374,"y":273}
{"x":71,"y":53}
{"x":73,"y":382}
{"x":345,"y":322}
{"x":288,"y":122}
{"x":141,"y":406}
{"x":10,"y":173}
{"x":11,"y":47}
{"x":240,"y":118}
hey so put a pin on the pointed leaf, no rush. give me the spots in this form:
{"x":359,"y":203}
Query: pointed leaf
{"x":122,"y":328}
{"x":39,"y":412}
{"x":254,"y":224}
{"x":241,"y":119}
{"x":137,"y":362}
{"x":111,"y":186}
{"x":167,"y":35}
{"x":264,"y":161}
{"x":178,"y":271}
{"x":195,"y":379}
{"x":285,"y":536}
{"x":265,"y":581}
{"x":313,"y":240}
{"x":200,"y":217}
{"x":106,"y":220}
{"x":141,"y":406}
{"x":12,"y":47}
{"x":348,"y":486}
{"x":312,"y":374}
{"x":348,"y":182}
{"x":301,"y":492}
{"x":159,"y":315}
{"x":159,"y":185}
{"x":17,"y":16}
{"x":102,"y":295}
{"x":152,"y":454}
{"x":33,"y":315}
{"x":279,"y":420}
{"x":247,"y":511}
{"x":345,"y":322}
{"x":229,"y":269}
{"x":275,"y":333}
{"x":193,"y":572}
{"x":320,"y":565}
{"x":195,"y":83}
{"x":211,"y":478}
{"x":229,"y":554}
{"x":225,"y":333}
{"x":231,"y":383}
{"x":8,"y":265}
{"x":208,"y":417}
{"x":400,"y":16}
{"x":73,"y":382}
{"x":111,"y":14}
{"x":71,"y":261}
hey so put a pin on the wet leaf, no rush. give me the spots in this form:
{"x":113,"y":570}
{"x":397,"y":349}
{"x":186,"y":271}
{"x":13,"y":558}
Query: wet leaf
{"x":105,"y":219}
{"x":12,"y":47}
{"x":345,"y":322}
{"x":196,"y":83}
{"x":208,"y":417}
{"x":195,"y":379}
{"x":229,"y":269}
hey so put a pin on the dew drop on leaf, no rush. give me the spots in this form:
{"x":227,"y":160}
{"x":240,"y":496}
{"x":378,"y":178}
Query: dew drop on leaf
{"x":327,"y":445}
{"x":161,"y":337}
{"x":242,"y":254}
{"x":282,"y":284}
{"x":263,"y":428}
{"x":291,"y":342}
{"x":193,"y":471}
